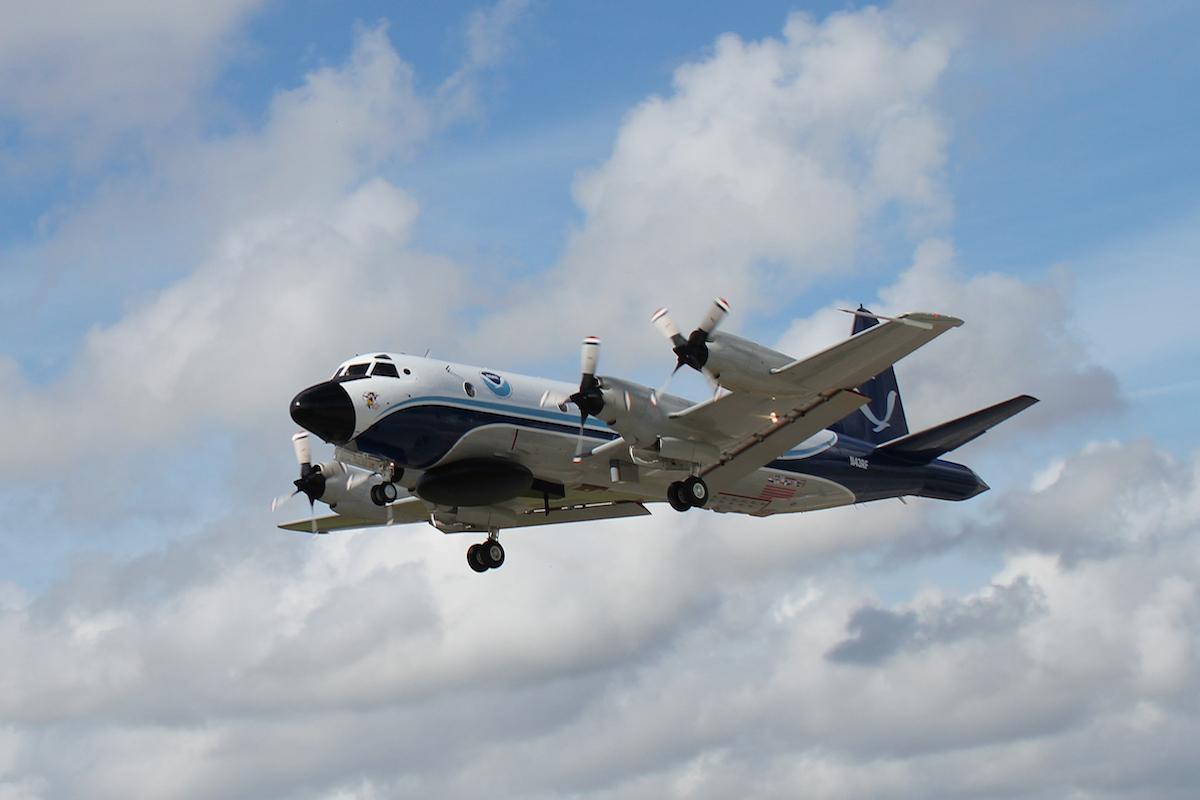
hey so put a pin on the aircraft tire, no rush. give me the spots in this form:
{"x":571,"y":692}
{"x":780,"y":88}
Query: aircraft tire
{"x":694,"y":492}
{"x":676,"y":497}
{"x":383,"y":493}
{"x":475,"y":558}
{"x":491,"y":553}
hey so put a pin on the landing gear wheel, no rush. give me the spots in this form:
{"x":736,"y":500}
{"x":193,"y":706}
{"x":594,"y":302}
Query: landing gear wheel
{"x":491,"y":553}
{"x":694,"y":492}
{"x":383,"y":493}
{"x":474,"y":558}
{"x":676,"y":498}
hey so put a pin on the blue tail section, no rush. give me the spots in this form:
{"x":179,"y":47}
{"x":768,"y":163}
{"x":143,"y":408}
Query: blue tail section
{"x":882,"y":419}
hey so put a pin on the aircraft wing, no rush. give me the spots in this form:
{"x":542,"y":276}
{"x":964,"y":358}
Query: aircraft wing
{"x":403,"y":514}
{"x":752,"y":430}
{"x":404,"y":511}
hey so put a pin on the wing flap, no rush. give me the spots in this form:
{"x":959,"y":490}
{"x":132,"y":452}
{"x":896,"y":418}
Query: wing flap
{"x":777,"y":438}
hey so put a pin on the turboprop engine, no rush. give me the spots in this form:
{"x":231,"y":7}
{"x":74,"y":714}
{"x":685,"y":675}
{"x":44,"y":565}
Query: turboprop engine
{"x":733,"y":362}
{"x":637,"y":411}
{"x":351,"y":490}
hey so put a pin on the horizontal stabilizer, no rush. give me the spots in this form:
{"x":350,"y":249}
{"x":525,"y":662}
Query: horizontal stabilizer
{"x":923,"y":447}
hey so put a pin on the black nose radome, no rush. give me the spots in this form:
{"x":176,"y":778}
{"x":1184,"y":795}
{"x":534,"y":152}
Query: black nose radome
{"x":326,"y":410}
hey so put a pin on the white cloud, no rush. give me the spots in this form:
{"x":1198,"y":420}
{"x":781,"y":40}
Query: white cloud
{"x":679,"y":655}
{"x":87,"y":73}
{"x":1018,"y":338}
{"x":302,"y":232}
{"x":765,"y":167}
{"x":368,"y":662}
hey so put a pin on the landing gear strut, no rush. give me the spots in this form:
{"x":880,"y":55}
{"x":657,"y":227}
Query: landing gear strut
{"x":485,"y":555}
{"x":691,"y":493}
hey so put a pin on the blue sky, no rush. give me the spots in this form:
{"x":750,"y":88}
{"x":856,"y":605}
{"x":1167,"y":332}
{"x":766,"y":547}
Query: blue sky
{"x":205,"y":207}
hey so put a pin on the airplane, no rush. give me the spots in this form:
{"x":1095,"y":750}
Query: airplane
{"x":473,"y":450}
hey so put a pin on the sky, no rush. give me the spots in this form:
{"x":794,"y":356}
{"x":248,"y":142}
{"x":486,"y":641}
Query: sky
{"x":205,"y":207}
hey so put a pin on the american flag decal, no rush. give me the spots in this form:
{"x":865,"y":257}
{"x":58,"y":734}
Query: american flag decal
{"x":770,"y":492}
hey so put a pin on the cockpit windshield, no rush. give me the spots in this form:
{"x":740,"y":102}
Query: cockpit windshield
{"x":351,"y":372}
{"x":385,"y":368}
{"x":382,"y":366}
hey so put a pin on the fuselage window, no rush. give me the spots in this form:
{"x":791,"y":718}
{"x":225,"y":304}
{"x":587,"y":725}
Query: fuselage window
{"x":407,"y":371}
{"x":469,"y":389}
{"x":385,"y":368}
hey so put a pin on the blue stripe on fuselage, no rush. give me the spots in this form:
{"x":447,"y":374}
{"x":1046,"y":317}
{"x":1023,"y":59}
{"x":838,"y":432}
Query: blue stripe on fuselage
{"x":420,"y":432}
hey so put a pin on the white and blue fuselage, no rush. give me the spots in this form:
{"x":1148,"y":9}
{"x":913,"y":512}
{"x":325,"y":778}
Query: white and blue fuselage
{"x":410,"y":418}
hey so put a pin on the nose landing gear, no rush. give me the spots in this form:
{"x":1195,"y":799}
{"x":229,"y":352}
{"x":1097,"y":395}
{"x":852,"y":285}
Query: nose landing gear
{"x":486,"y":555}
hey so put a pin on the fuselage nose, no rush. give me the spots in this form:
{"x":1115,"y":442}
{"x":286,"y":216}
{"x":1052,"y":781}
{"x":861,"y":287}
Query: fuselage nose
{"x":326,"y":410}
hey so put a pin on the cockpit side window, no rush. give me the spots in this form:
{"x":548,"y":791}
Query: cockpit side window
{"x":385,"y":368}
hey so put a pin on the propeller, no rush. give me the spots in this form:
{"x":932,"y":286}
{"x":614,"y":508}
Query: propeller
{"x":311,"y":482}
{"x":692,"y":351}
{"x":590,"y":398}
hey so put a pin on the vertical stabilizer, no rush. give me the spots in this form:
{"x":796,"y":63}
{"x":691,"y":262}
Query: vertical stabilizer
{"x":882,"y":419}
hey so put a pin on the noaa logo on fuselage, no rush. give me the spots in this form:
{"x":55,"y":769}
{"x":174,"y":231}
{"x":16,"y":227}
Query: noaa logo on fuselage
{"x":498,"y":385}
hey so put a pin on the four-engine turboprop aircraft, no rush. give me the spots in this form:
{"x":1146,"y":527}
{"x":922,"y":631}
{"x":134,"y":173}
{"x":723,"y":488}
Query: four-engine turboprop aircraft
{"x":475,"y":450}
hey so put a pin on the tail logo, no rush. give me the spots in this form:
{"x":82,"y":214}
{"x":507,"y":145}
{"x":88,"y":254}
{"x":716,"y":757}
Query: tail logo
{"x":886,"y":422}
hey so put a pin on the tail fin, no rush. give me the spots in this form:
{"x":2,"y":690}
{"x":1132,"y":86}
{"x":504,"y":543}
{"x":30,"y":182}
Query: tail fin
{"x":927,"y":445}
{"x":882,"y":419}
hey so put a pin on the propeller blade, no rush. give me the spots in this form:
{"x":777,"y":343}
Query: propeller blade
{"x":551,"y":397}
{"x":589,"y":355}
{"x":715,"y":314}
{"x":663,"y":389}
{"x":662,"y":320}
{"x":579,"y":439}
{"x":302,"y":447}
{"x":283,"y":498}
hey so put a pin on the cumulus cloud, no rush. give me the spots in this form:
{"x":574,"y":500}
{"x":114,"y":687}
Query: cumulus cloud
{"x":879,"y":633}
{"x":671,"y":656}
{"x":89,"y":73}
{"x":367,"y":664}
{"x":1019,"y":337}
{"x":303,"y":229}
{"x":764,"y":167}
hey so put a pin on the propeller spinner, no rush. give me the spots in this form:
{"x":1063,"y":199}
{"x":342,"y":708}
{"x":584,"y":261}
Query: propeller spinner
{"x":692,"y":351}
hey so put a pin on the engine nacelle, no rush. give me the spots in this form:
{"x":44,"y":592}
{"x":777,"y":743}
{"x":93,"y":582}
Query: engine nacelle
{"x":741,"y":365}
{"x":348,"y":490}
{"x":637,"y":411}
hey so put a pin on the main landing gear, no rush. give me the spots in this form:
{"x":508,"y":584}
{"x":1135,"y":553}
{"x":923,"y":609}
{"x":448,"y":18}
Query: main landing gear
{"x":384,"y":493}
{"x":486,"y":555}
{"x":691,"y":493}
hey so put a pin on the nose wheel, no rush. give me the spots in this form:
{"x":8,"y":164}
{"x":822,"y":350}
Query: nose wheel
{"x":691,"y":493}
{"x":486,"y":555}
